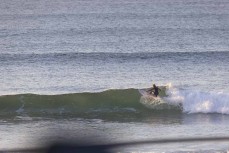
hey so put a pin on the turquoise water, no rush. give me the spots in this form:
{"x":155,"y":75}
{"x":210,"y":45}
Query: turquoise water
{"x":77,"y":67}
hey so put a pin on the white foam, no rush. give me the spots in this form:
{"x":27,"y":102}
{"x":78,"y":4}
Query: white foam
{"x":198,"y":101}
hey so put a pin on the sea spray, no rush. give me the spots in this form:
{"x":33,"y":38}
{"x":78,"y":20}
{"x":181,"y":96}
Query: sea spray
{"x":194,"y":101}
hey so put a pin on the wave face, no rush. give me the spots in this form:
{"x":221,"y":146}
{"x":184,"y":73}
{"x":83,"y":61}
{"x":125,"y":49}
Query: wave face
{"x":109,"y":103}
{"x":79,"y":104}
{"x":113,"y":104}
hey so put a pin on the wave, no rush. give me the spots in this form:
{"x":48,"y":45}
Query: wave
{"x":32,"y":57}
{"x":117,"y":103}
{"x":77,"y":103}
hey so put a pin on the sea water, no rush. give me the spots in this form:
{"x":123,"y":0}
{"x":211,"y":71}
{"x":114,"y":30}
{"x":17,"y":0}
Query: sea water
{"x":71,"y":70}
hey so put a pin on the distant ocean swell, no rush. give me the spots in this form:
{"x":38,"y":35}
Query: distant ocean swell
{"x":168,"y":56}
{"x":125,"y":102}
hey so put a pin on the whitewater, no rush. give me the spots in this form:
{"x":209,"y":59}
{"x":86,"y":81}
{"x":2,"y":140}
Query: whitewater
{"x":72,"y":71}
{"x":199,"y":101}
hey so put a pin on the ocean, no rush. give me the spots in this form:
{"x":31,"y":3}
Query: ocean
{"x":73,"y":71}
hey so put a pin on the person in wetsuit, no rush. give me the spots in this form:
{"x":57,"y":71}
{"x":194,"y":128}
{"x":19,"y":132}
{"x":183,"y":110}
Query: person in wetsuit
{"x":154,"y":90}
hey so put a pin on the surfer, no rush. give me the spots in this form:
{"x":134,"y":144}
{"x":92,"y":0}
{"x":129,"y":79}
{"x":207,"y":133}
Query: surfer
{"x":154,"y":90}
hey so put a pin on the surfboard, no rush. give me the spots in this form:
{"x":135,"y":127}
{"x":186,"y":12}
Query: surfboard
{"x":144,"y":92}
{"x":150,"y":101}
{"x":157,"y":103}
{"x":162,"y":91}
{"x":149,"y":97}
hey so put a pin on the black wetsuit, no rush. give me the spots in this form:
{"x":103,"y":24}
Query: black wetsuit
{"x":156,"y":92}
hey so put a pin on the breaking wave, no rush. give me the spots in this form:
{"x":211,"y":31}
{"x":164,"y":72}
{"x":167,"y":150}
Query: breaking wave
{"x":194,"y":101}
{"x":114,"y":103}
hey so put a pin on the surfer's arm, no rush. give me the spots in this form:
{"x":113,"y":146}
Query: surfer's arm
{"x":150,"y":90}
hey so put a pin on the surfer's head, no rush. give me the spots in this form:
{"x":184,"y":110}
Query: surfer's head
{"x":154,"y":85}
